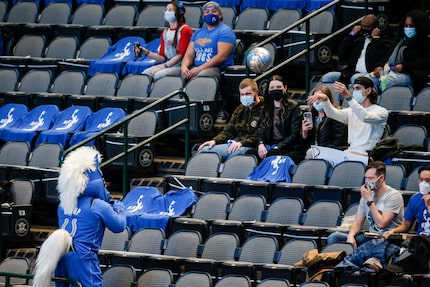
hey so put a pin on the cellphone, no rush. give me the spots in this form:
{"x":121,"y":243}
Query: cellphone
{"x":307,"y":116}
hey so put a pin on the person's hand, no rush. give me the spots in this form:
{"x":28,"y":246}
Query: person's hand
{"x":355,"y":30}
{"x":185,"y":73}
{"x":397,"y":68}
{"x":235,"y":146}
{"x":194,"y":72}
{"x":376,"y":33}
{"x":366,"y":192}
{"x":351,"y":239}
{"x":209,"y":144}
{"x":262,"y":151}
{"x":387,"y":233}
{"x":341,"y":89}
{"x":377,"y":72}
{"x":306,"y":125}
{"x":318,"y":95}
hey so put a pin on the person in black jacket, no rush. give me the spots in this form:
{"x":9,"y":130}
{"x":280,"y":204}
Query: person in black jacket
{"x":359,"y":52}
{"x":279,"y":132}
{"x":409,"y":61}
{"x":321,"y":130}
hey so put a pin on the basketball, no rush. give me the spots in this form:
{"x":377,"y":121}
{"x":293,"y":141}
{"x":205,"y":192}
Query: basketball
{"x":258,"y":59}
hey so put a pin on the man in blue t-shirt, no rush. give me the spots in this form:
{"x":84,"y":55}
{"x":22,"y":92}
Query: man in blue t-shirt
{"x":211,"y":48}
{"x":418,"y":207}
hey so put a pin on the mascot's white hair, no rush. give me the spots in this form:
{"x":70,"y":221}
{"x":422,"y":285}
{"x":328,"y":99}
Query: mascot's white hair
{"x":72,"y":182}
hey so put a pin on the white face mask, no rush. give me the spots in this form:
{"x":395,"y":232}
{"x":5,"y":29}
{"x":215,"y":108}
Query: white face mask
{"x":372,"y":184}
{"x":169,"y":16}
{"x":424,"y":187}
{"x":247,"y":101}
{"x":358,"y":96}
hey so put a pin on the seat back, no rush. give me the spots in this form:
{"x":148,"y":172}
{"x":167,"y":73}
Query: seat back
{"x":10,"y":77}
{"x":247,"y":207}
{"x":239,"y":166}
{"x":203,"y":164}
{"x":147,"y":240}
{"x":102,"y":84}
{"x":252,"y":19}
{"x":422,"y":100}
{"x":46,"y":155}
{"x":347,"y":174}
{"x":412,"y":180}
{"x":22,"y":191}
{"x":143,"y":125}
{"x":194,"y":278}
{"x":155,"y":277}
{"x":121,"y":15}
{"x":56,"y":13}
{"x":321,"y":23}
{"x":395,"y":175}
{"x":94,"y":47}
{"x":397,"y":98}
{"x":119,"y":275}
{"x":10,"y":114}
{"x":212,"y":205}
{"x":4,"y":6}
{"x":15,"y":153}
{"x":116,"y":241}
{"x":273,"y":282}
{"x":150,"y":16}
{"x":103,"y":118}
{"x":30,"y":45}
{"x":69,"y":82}
{"x":220,"y":246}
{"x":23,"y":12}
{"x":20,"y":265}
{"x":63,"y":47}
{"x":259,"y":249}
{"x":183,"y":243}
{"x":88,"y":14}
{"x":283,"y":18}
{"x":134,"y":85}
{"x":284,"y":210}
{"x":229,"y":16}
{"x":331,"y":209}
{"x":165,"y":85}
{"x":36,"y":81}
{"x":411,"y":134}
{"x":311,"y":172}
{"x":235,"y":280}
{"x":202,"y":88}
{"x":293,"y":250}
{"x":339,"y":246}
{"x":194,"y":16}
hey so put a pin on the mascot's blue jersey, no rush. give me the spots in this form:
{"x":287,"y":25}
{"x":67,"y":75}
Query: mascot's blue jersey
{"x":87,"y":225}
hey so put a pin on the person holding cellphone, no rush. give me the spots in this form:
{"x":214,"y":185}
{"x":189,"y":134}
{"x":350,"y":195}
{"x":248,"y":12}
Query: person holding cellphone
{"x":380,"y":204}
{"x":318,"y":129}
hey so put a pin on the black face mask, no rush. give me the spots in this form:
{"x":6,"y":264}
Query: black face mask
{"x":366,"y":33}
{"x":276,"y":95}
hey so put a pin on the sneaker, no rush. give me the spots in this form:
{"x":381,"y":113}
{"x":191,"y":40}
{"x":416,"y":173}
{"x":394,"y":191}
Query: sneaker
{"x":222,"y":117}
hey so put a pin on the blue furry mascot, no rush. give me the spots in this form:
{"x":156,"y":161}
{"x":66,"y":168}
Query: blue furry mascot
{"x":83,"y":214}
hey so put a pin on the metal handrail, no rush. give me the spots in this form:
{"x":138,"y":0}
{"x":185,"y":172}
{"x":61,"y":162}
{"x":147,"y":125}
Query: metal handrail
{"x":124,"y":123}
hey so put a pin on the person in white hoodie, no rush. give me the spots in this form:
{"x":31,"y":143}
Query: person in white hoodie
{"x":365,"y":119}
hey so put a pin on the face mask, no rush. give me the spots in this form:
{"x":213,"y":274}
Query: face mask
{"x":372,"y":184}
{"x":211,"y":19}
{"x":358,"y":96}
{"x":276,"y":95}
{"x":410,"y":32}
{"x":318,"y":106}
{"x":424,"y":187}
{"x":247,"y":101}
{"x":169,"y":16}
{"x":366,"y":32}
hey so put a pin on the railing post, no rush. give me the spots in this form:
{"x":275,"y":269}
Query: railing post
{"x":125,"y":162}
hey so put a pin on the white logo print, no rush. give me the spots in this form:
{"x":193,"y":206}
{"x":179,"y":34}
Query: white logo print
{"x":69,"y":123}
{"x":9,"y":119}
{"x":34,"y":125}
{"x":106,"y":123}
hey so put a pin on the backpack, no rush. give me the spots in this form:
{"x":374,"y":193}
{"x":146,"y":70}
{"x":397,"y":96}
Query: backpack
{"x":386,"y":148}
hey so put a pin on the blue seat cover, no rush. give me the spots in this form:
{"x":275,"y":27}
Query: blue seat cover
{"x":138,"y":65}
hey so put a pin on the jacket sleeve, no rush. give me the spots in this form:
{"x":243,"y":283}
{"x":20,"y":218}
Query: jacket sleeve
{"x":114,"y":220}
{"x":229,"y":131}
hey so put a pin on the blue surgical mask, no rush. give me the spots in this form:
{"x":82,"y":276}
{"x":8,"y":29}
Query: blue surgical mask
{"x":247,"y":101}
{"x":211,"y":19}
{"x":410,"y":32}
{"x":318,"y":106}
{"x":169,"y":16}
{"x":358,"y":96}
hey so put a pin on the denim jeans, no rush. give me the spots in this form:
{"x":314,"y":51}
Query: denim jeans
{"x":337,"y":237}
{"x":221,"y":149}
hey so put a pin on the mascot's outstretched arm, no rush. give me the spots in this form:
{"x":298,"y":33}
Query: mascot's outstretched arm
{"x":83,"y":214}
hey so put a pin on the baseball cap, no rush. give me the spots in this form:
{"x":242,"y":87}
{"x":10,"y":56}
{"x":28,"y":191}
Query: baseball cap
{"x":366,"y":82}
{"x":212,"y":4}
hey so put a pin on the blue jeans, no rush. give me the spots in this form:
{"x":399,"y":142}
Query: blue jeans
{"x":340,"y":237}
{"x":393,"y":79}
{"x":221,"y":149}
